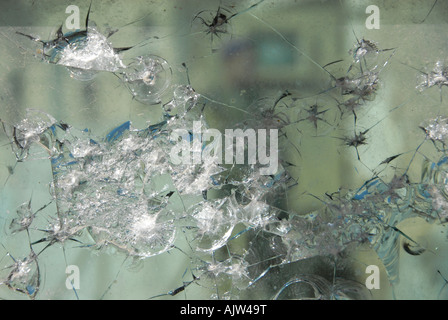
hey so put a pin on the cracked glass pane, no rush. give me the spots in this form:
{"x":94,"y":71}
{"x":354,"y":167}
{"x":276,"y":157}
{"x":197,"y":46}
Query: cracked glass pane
{"x":223,"y":150}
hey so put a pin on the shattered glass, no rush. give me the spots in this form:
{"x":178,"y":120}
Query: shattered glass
{"x":120,"y":153}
